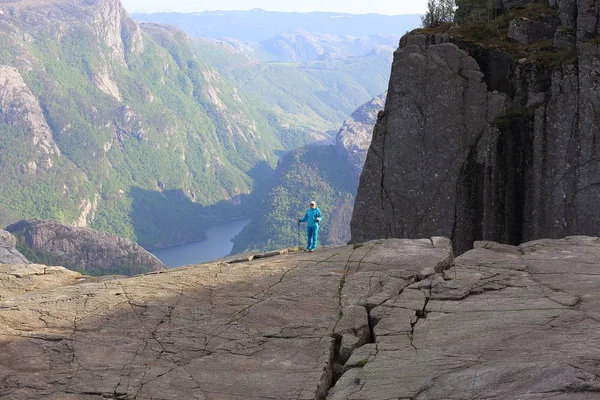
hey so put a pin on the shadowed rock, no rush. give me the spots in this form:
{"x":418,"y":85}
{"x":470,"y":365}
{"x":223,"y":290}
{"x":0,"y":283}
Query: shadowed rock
{"x":489,"y":135}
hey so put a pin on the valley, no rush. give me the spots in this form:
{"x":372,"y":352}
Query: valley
{"x":140,"y":129}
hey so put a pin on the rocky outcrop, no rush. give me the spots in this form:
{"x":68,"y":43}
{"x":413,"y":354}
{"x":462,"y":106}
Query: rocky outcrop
{"x":505,"y":322}
{"x":8,"y":253}
{"x":386,"y":319}
{"x":493,"y":141}
{"x":19,"y":107}
{"x":18,"y":279}
{"x":83,"y":249}
{"x":266,"y":328}
{"x":438,"y":108}
{"x":354,"y":137}
{"x":108,"y":19}
{"x":526,"y":31}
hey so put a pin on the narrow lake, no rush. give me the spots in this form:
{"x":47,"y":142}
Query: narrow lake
{"x":217,"y":245}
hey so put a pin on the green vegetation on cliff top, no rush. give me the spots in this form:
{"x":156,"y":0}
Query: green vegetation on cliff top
{"x":485,"y":27}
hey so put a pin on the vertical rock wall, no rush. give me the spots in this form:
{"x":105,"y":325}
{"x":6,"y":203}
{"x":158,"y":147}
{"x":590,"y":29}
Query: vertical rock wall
{"x":475,"y":143}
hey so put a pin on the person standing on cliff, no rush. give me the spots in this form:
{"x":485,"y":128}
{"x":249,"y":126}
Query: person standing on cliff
{"x":312,"y":219}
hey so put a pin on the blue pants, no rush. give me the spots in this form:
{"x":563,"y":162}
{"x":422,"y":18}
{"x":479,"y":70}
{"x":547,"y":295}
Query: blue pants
{"x":312,"y":233}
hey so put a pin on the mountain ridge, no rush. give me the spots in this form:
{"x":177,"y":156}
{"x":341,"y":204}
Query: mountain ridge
{"x":326,"y":173}
{"x":136,"y":131}
{"x":210,"y":23}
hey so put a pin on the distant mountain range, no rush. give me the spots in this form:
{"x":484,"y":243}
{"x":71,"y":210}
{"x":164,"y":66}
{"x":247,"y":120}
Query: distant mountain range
{"x":259,"y":25}
{"x":294,"y":37}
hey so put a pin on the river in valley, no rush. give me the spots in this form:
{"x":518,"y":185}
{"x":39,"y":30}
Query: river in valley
{"x":217,"y":245}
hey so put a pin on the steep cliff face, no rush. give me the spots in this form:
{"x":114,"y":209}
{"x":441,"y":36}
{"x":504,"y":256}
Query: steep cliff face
{"x":489,"y":133}
{"x":143,"y":130}
{"x":100,"y":124}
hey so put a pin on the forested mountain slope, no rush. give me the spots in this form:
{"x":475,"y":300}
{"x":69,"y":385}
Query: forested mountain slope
{"x":134,"y":130}
{"x":327,"y":174}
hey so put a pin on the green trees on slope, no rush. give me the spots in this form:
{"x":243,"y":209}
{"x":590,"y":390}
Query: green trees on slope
{"x":438,"y":12}
{"x":309,"y":173}
{"x":159,"y":147}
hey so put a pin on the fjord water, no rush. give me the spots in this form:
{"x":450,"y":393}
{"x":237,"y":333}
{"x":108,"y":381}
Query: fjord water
{"x":217,"y":245}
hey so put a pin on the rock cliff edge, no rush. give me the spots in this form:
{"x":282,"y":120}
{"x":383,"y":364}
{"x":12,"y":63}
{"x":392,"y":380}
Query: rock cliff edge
{"x":394,"y":318}
{"x":490,"y":130}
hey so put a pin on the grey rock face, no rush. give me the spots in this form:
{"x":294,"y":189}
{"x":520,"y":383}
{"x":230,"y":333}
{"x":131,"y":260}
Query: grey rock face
{"x":526,"y":31}
{"x":475,"y":144}
{"x":437,"y":110}
{"x":8,"y":253}
{"x":84,"y":248}
{"x":505,"y":322}
{"x":20,"y":107}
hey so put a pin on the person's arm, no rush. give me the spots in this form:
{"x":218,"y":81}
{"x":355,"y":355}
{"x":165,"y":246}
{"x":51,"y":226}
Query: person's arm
{"x":318,"y":216}
{"x":305,"y":218}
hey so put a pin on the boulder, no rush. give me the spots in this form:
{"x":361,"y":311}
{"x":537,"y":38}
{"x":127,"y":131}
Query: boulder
{"x":8,"y":253}
{"x":527,"y":31}
{"x":83,"y":249}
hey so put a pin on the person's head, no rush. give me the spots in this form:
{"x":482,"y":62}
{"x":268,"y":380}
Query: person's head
{"x":312,"y":204}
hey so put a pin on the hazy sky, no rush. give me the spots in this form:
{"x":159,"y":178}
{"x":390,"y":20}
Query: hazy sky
{"x":389,"y":7}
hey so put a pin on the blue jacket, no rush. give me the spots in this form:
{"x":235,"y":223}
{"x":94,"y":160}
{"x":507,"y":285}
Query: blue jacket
{"x":312,"y":217}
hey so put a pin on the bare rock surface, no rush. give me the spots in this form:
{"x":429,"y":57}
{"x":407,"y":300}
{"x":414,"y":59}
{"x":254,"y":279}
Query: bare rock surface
{"x":481,"y":138}
{"x":437,"y":108}
{"x":476,"y":143}
{"x":505,"y":323}
{"x":8,"y":253}
{"x":388,"y":319}
{"x":19,"y":279}
{"x":20,"y":107}
{"x":269,"y":328}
